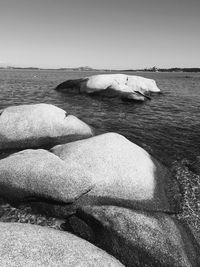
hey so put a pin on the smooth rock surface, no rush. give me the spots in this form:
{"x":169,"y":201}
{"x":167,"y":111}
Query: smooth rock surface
{"x":29,"y":126}
{"x":122,"y":173}
{"x":141,"y":238}
{"x":111,"y":85}
{"x":28,"y":245}
{"x":41,"y":174}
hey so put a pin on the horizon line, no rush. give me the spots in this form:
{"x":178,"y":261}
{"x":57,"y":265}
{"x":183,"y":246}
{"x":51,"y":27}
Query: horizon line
{"x":87,"y":68}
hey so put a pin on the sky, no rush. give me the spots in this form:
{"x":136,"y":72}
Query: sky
{"x":112,"y":34}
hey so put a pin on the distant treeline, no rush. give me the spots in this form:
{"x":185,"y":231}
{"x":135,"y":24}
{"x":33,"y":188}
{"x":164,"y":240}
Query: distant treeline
{"x":168,"y":70}
{"x":181,"y":69}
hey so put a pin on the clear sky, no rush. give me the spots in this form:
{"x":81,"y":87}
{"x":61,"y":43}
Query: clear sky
{"x":100,"y":33}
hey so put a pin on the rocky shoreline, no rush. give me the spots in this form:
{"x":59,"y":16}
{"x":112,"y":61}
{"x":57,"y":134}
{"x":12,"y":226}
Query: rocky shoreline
{"x":103,"y":188}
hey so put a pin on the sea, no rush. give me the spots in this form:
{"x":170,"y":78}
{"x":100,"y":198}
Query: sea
{"x":167,"y":126}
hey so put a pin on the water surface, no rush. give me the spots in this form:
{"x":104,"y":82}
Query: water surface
{"x":167,"y":126}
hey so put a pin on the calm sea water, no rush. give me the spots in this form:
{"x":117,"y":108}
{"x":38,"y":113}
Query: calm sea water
{"x":168,"y":126}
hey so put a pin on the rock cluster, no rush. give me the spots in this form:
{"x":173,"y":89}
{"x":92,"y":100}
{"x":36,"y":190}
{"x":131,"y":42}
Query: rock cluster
{"x":109,"y":191}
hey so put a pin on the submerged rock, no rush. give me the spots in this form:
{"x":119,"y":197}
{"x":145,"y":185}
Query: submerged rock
{"x":39,"y":174}
{"x":29,"y":126}
{"x":141,"y":238}
{"x":111,"y":85}
{"x":122,"y":173}
{"x":194,"y":166}
{"x":28,"y":245}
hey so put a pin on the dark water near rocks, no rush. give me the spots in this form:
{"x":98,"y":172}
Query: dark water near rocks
{"x":168,"y":126}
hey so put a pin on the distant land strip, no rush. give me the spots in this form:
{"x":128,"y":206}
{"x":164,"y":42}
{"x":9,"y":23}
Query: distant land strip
{"x":153,"y":69}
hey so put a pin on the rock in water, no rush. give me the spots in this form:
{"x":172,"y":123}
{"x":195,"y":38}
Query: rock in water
{"x":28,"y":245}
{"x":29,"y":126}
{"x":111,"y":85}
{"x":71,"y":85}
{"x":135,"y":83}
{"x":41,"y":174}
{"x":141,"y":238}
{"x":122,"y":173}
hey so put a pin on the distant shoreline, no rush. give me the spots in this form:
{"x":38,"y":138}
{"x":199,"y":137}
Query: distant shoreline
{"x":88,"y":69}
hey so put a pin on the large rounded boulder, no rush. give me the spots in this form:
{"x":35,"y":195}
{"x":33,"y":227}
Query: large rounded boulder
{"x":140,"y":239}
{"x":39,"y":174}
{"x":122,"y":173}
{"x":28,"y":245}
{"x":30,"y":126}
{"x":112,"y":85}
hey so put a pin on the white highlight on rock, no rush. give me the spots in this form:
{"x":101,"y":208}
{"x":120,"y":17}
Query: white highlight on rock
{"x":119,"y":82}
